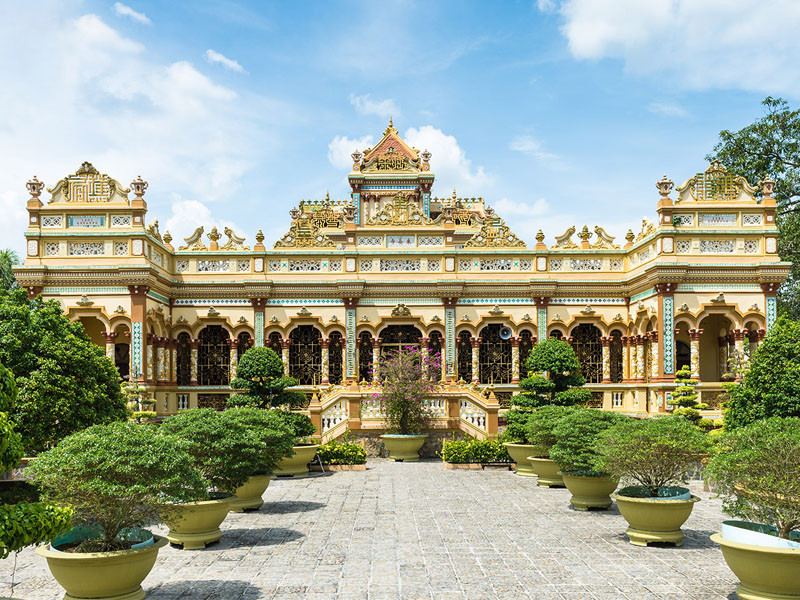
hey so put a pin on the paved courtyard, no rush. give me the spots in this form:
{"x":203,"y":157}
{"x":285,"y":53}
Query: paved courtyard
{"x":419,"y":531}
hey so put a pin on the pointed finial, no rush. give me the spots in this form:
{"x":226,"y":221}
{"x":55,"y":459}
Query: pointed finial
{"x":390,"y":121}
{"x":327,"y":196}
{"x":539,"y":236}
{"x":167,"y":237}
{"x":454,"y":192}
{"x":259,"y":236}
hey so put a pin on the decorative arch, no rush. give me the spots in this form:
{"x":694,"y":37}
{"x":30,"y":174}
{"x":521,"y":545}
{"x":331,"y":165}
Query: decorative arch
{"x":305,"y":355}
{"x":213,"y":356}
{"x":365,"y":340}
{"x":336,"y":343}
{"x":435,"y":346}
{"x":274,"y":341}
{"x":589,"y":350}
{"x":183,"y":358}
{"x":494,"y":356}
{"x":394,"y":337}
{"x":526,"y":342}
{"x":464,"y":355}
{"x":615,"y":351}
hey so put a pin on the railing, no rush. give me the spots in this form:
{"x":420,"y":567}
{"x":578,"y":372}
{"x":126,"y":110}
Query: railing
{"x":333,"y":415}
{"x":472,"y":414}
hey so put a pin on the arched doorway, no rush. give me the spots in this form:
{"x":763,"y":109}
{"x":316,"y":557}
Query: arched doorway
{"x":615,"y":356}
{"x":395,"y":337}
{"x":365,"y":356}
{"x":589,"y":350}
{"x":464,"y":351}
{"x":525,"y":347}
{"x":335,"y":358}
{"x":716,"y":345}
{"x":213,"y":356}
{"x":494,"y":356}
{"x":305,"y":355}
{"x":183,"y":359}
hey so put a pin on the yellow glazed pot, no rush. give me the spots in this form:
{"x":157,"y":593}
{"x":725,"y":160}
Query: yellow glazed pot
{"x":654,"y":519}
{"x":403,"y":448}
{"x":520,"y":453}
{"x":195,"y":524}
{"x":547,"y":471}
{"x":248,"y":495}
{"x":103,"y":575}
{"x":297,"y":464}
{"x":764,"y":573}
{"x":590,"y":492}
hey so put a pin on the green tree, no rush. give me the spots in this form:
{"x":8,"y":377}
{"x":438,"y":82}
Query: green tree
{"x":685,"y":396}
{"x":771,"y":387}
{"x":771,"y":146}
{"x":8,"y":258}
{"x":260,"y":374}
{"x":554,"y":376}
{"x":65,"y":382}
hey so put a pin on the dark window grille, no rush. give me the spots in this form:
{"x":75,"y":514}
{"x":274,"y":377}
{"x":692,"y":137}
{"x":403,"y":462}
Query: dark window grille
{"x":183,"y":360}
{"x":305,"y":355}
{"x":465,"y":356}
{"x":365,"y":356}
{"x":215,"y":401}
{"x":556,"y":334}
{"x":213,"y":356}
{"x":242,"y":344}
{"x":122,"y":360}
{"x":274,"y":342}
{"x":494,"y":356}
{"x":589,"y":350}
{"x":434,"y":347}
{"x":525,"y":347}
{"x":395,"y":337}
{"x":335,"y":355}
{"x":615,"y":356}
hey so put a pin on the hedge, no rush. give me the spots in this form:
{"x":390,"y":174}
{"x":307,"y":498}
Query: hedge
{"x":474,"y":451}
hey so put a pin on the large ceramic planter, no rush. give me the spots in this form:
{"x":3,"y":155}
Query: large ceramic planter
{"x":103,"y":575}
{"x":195,"y":524}
{"x":764,"y":573}
{"x":248,"y":495}
{"x":519,"y":454}
{"x":297,"y":464}
{"x":404,"y":448}
{"x":547,"y":471}
{"x":590,"y":492}
{"x":654,"y":519}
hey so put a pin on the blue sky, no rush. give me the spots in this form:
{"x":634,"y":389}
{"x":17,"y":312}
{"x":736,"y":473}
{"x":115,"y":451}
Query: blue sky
{"x":559,"y":113}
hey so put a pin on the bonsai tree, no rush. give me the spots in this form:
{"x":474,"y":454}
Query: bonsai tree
{"x":277,"y":438}
{"x":65,"y":382}
{"x":299,"y":424}
{"x":655,"y":453}
{"x":404,"y":388}
{"x":577,"y":436}
{"x":260,"y":375}
{"x":516,"y":431}
{"x":685,"y":397}
{"x":771,"y":387}
{"x":757,"y":470}
{"x":541,"y":423}
{"x":554,"y":375}
{"x":117,"y":476}
{"x":222,"y":449}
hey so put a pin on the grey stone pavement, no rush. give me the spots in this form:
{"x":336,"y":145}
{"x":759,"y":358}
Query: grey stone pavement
{"x":414,"y":531}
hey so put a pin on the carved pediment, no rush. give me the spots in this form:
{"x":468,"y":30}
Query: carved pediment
{"x":194,"y":242}
{"x":391,"y":154}
{"x":152,"y":230}
{"x":401,"y":310}
{"x":564,"y":241}
{"x":88,"y":185}
{"x":494,"y":234}
{"x":302,"y":234}
{"x":400,"y":211}
{"x":647,"y":229}
{"x":716,"y":183}
{"x":604,"y":241}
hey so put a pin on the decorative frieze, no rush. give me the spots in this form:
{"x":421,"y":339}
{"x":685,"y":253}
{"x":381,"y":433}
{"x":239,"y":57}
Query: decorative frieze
{"x":274,"y":265}
{"x":51,"y":249}
{"x":400,"y":264}
{"x":555,"y":264}
{"x":496,"y":264}
{"x":717,"y":246}
{"x":304,"y":265}
{"x":243,"y":266}
{"x":683,"y":219}
{"x":86,"y":248}
{"x":526,"y":264}
{"x":335,"y":265}
{"x":430,"y":240}
{"x":120,"y":220}
{"x":752,"y":219}
{"x":396,"y":241}
{"x":53,"y":221}
{"x":683,"y":247}
{"x":615,"y":264}
{"x":751,"y":246}
{"x":464,"y":264}
{"x":369,"y":240}
{"x":365,"y":264}
{"x":182,"y":266}
{"x":434,"y":264}
{"x":213,"y":266}
{"x":120,"y":248}
{"x":585,"y":264}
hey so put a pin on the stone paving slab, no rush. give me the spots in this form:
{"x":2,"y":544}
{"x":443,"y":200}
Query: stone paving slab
{"x":417,"y":531}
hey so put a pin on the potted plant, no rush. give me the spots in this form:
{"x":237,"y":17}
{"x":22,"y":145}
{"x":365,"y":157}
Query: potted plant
{"x":656,"y":455}
{"x":118,"y":478}
{"x":684,"y":396}
{"x":226,"y":453}
{"x":404,"y":386}
{"x":276,"y":443}
{"x":260,"y":374}
{"x":575,"y":451}
{"x":540,"y":427}
{"x":756,"y":469}
{"x":554,"y":379}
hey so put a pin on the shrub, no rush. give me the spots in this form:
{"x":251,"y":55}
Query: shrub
{"x":26,"y":524}
{"x":277,"y":439}
{"x":260,"y":373}
{"x":771,"y":388}
{"x":116,"y":476}
{"x":299,"y":424}
{"x":541,"y":423}
{"x":575,"y":449}
{"x":685,"y":397}
{"x":342,"y":453}
{"x":10,"y":441}
{"x":140,"y":416}
{"x":516,"y":431}
{"x":226,"y":453}
{"x":655,"y":452}
{"x":557,"y":360}
{"x":757,"y":469}
{"x":474,"y":451}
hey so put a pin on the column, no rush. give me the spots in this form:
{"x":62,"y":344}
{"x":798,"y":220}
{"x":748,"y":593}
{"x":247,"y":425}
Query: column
{"x":258,"y":319}
{"x":325,"y":344}
{"x":654,"y":368}
{"x":738,"y":342}
{"x":694,"y":348}
{"x":476,"y":344}
{"x":376,"y":356}
{"x":665,"y":364}
{"x":626,"y":363}
{"x":173,"y":363}
{"x":449,"y":350}
{"x":110,"y":340}
{"x":770,"y":302}
{"x":606,"y":344}
{"x":634,"y":348}
{"x":541,"y":317}
{"x":285,"y":343}
{"x":514,"y":359}
{"x":195,"y":344}
{"x":150,"y":358}
{"x":138,"y":318}
{"x":350,"y":336}
{"x":423,"y":350}
{"x":163,"y":360}
{"x":641,"y":362}
{"x":722,"y":356}
{"x":234,"y":357}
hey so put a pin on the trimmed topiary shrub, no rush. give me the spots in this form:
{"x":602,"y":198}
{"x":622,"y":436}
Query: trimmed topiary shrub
{"x":342,"y":453}
{"x":685,"y":397}
{"x":474,"y":451}
{"x":260,"y":374}
{"x":555,"y":375}
{"x":277,"y":439}
{"x":542,"y":422}
{"x":299,"y":424}
{"x":577,"y":435}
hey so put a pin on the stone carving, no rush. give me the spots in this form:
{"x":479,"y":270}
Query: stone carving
{"x":274,"y":319}
{"x":436,"y":319}
{"x":557,"y":318}
{"x":647,"y":229}
{"x":719,"y":299}
{"x":617,"y":317}
{"x":588,"y":311}
{"x":465,"y":319}
{"x":234,"y":241}
{"x":120,"y":310}
{"x":152,"y":230}
{"x":715,"y":183}
{"x":401,"y":310}
{"x":604,"y":241}
{"x":494,"y":234}
{"x":753,"y":308}
{"x":303,"y":312}
{"x":683,"y":308}
{"x":89,"y":185}
{"x":334,"y":319}
{"x":400,"y":211}
{"x":213,"y":312}
{"x":194,"y":243}
{"x":302,"y":234}
{"x":565,"y":241}
{"x":84,"y":301}
{"x":496,"y":310}
{"x":526,"y":317}
{"x":242,"y":319}
{"x":181,"y":319}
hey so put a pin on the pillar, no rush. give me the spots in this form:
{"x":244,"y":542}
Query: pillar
{"x":641,"y":342}
{"x":258,"y":319}
{"x":423,"y":350}
{"x":626,"y":363}
{"x":285,"y":343}
{"x":162,"y":348}
{"x":606,"y":344}
{"x":110,"y":340}
{"x":514,"y":359}
{"x":376,"y":356}
{"x":694,"y":348}
{"x":654,"y":364}
{"x":138,"y":317}
{"x":150,"y":358}
{"x":634,"y":347}
{"x":476,"y":344}
{"x":738,"y":342}
{"x":325,"y":344}
{"x":195,"y":344}
{"x":173,"y":363}
{"x":350,"y":336}
{"x":665,"y":359}
{"x":770,"y":302}
{"x":449,"y":357}
{"x":722,"y":356}
{"x":233,"y":348}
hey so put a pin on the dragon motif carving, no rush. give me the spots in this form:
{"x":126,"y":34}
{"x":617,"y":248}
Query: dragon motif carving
{"x":194,"y":243}
{"x":302,"y":234}
{"x":400,"y":211}
{"x":647,"y":229}
{"x":564,"y":241}
{"x":604,"y":241}
{"x":234,"y":241}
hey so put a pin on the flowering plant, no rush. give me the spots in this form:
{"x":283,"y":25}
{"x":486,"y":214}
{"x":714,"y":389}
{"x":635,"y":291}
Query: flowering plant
{"x":406,"y":381}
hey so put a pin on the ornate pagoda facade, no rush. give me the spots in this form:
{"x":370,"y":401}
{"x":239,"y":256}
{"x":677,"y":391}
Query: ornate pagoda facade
{"x":392,"y":265}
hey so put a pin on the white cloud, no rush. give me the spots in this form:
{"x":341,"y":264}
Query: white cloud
{"x":667,"y":110}
{"x":506,"y":207}
{"x":126,"y":11}
{"x":187,"y":216}
{"x":367,"y":106}
{"x":744,"y":44}
{"x":91,"y":31}
{"x":546,"y":6}
{"x":341,"y":147}
{"x":215,"y":57}
{"x":449,"y":162}
{"x":534,"y":148}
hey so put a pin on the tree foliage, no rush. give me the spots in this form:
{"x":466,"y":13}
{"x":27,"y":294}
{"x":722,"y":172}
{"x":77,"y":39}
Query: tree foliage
{"x":8,"y":258}
{"x":577,"y":436}
{"x":771,"y":146}
{"x":771,"y":387}
{"x":757,"y":469}
{"x":298,"y":423}
{"x":277,"y":438}
{"x":65,"y":382}
{"x":260,"y":374}
{"x":542,"y":422}
{"x":10,"y":440}
{"x":654,"y":452}
{"x":554,"y":375}
{"x":26,"y":524}
{"x":684,"y":396}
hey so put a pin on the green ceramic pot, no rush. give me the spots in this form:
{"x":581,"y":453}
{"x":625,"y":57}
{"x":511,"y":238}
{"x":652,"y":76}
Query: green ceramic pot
{"x":297,"y":464}
{"x":403,"y":448}
{"x":654,"y":519}
{"x":589,"y":491}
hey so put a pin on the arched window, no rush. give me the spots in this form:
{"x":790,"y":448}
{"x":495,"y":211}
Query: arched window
{"x":122,"y":353}
{"x":525,"y":347}
{"x":183,"y":360}
{"x":683,"y":355}
{"x":213,"y":356}
{"x":335,"y":354}
{"x":365,"y":356}
{"x":615,"y":356}
{"x":395,"y":337}
{"x":435,"y":347}
{"x":465,"y":356}
{"x":305,"y":355}
{"x":243,"y":343}
{"x":556,"y":334}
{"x":589,"y":352}
{"x":274,"y":342}
{"x":494,"y":356}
